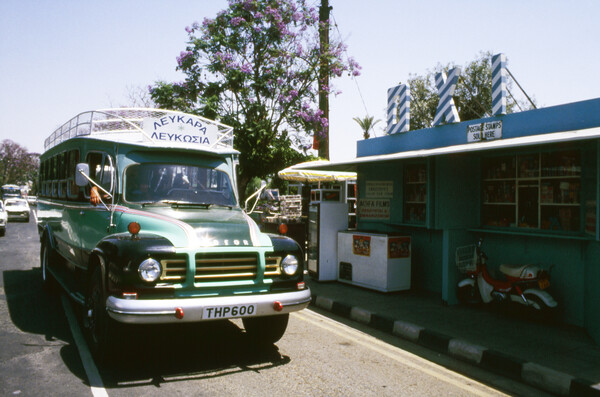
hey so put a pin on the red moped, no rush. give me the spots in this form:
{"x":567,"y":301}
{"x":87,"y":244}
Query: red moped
{"x":524,"y":284}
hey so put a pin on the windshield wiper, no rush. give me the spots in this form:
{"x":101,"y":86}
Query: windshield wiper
{"x":182,"y":203}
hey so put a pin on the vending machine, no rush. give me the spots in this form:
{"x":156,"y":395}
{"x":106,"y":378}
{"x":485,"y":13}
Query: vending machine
{"x":325,"y":220}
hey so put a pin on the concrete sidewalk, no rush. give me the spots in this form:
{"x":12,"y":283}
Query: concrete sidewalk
{"x":556,"y":358}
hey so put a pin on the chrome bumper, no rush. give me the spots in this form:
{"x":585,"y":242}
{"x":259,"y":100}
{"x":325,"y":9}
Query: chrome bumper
{"x":163,"y":311}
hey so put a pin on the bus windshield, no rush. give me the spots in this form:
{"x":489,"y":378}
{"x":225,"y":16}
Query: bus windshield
{"x":178,"y":184}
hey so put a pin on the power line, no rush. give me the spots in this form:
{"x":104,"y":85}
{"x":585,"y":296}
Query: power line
{"x":521,"y":88}
{"x":348,"y":58}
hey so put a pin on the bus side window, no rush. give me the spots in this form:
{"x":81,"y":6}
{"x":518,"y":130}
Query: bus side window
{"x":54,"y":176}
{"x":100,"y":171}
{"x":72,"y":188}
{"x":62,"y":175}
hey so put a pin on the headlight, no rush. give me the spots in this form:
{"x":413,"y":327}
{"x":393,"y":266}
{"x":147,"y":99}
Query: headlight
{"x":289,"y":265}
{"x":150,"y":270}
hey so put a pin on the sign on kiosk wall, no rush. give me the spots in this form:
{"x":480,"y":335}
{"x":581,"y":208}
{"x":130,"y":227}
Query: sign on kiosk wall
{"x":484,"y":131}
{"x":380,"y":189}
{"x":373,"y":209}
{"x":376,"y":205}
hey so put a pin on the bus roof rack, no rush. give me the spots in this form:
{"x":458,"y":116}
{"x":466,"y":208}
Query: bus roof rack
{"x":127,"y":125}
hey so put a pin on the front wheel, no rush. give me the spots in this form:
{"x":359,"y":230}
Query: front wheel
{"x":468,"y":294}
{"x":47,"y":259}
{"x":99,"y":326}
{"x":266,"y":330}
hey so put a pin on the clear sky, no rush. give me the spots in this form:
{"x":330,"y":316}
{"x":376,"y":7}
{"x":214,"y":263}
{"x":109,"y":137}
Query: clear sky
{"x":61,"y":57}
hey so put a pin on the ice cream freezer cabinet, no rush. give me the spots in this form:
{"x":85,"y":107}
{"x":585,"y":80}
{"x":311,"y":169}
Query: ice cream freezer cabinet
{"x":374,"y":260}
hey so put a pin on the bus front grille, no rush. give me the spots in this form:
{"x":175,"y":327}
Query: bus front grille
{"x":226,"y":267}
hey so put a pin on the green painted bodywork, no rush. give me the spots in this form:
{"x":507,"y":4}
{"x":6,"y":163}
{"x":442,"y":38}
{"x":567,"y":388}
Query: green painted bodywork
{"x":77,"y":228}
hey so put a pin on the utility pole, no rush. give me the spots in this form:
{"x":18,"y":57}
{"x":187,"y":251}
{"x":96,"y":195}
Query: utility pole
{"x":323,"y":141}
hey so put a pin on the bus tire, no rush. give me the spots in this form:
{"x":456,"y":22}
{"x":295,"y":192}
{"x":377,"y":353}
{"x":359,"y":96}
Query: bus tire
{"x":100,"y":328}
{"x":266,"y":330}
{"x":48,"y":258}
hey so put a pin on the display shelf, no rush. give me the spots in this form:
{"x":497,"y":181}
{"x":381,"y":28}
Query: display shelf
{"x":543,"y":191}
{"x":415,"y":193}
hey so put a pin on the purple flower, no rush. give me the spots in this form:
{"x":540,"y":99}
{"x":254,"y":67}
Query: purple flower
{"x":235,"y":21}
{"x":183,"y":55}
{"x":246,"y":68}
{"x":188,"y":29}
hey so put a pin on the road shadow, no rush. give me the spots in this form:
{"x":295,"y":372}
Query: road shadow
{"x":148,"y":354}
{"x":154,"y":355}
{"x":31,"y":309}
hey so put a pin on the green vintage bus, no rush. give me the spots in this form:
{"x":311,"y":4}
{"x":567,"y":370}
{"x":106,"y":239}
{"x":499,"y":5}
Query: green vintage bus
{"x":140,"y":222}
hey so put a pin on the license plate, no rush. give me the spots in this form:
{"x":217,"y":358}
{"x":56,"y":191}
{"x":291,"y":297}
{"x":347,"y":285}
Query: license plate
{"x":228,"y":311}
{"x":544,"y":283}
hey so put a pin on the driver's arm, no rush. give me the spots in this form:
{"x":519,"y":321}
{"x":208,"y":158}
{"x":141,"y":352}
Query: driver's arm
{"x":95,"y":196}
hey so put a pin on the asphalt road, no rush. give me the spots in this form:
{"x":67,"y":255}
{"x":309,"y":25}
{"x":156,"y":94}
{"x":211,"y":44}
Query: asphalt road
{"x":42,"y":352}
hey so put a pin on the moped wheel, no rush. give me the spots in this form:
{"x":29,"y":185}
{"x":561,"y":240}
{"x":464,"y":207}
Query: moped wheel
{"x":266,"y":330}
{"x":541,"y":311}
{"x":468,"y":295}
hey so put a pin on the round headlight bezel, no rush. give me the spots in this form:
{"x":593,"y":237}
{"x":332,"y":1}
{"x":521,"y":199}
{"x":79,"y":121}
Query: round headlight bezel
{"x":149,"y":270}
{"x":290,"y":265}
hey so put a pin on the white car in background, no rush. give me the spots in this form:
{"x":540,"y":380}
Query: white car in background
{"x":3,"y":219}
{"x":17,"y":208}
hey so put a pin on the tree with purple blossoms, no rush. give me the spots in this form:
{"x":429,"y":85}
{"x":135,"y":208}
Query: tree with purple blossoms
{"x":255,"y":66}
{"x":17,"y":165}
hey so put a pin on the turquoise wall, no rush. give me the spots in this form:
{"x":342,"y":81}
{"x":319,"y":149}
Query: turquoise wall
{"x":592,"y":292}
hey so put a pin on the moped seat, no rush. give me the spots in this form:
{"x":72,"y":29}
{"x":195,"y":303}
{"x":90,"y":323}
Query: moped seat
{"x":520,"y":271}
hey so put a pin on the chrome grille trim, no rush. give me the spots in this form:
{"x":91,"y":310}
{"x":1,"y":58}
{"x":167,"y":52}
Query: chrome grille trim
{"x":272,"y":267}
{"x":226,"y":267}
{"x":174,"y":270}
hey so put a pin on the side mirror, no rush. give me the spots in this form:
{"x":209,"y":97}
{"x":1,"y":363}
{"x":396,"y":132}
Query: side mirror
{"x":82,"y":174}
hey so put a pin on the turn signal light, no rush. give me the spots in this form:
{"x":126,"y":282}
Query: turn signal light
{"x":134,"y":228}
{"x":283,"y":229}
{"x":277,"y":306}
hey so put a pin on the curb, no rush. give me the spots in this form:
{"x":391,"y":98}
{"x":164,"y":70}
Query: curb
{"x":533,"y":374}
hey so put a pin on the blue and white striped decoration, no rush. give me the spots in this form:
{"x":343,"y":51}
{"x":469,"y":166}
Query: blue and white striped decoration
{"x":499,"y":84}
{"x":398,"y":109}
{"x":446,"y":110}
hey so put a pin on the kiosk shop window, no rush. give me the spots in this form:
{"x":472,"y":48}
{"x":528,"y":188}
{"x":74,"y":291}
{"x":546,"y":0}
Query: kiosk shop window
{"x":415,"y":193}
{"x":539,"y":190}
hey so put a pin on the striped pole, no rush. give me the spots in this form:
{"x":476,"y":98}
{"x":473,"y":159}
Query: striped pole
{"x":446,"y":109}
{"x":398,"y":109}
{"x":499,"y":90}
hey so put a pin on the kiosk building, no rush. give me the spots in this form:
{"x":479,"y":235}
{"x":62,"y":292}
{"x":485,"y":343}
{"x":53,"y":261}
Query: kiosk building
{"x":528,"y":183}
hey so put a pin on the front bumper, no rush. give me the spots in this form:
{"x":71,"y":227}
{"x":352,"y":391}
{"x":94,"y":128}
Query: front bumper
{"x":163,"y":311}
{"x":17,"y":215}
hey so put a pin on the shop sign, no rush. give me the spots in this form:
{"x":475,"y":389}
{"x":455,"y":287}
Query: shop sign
{"x":373,"y":209}
{"x":380,"y":189}
{"x":484,"y":131}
